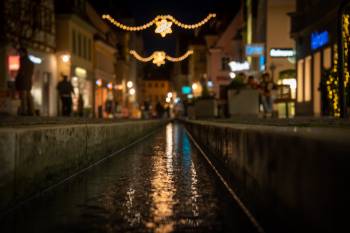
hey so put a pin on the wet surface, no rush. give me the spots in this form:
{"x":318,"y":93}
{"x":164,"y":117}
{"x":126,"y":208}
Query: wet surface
{"x":160,"y":185}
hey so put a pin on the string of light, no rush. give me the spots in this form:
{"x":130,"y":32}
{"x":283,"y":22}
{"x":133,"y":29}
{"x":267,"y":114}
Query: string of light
{"x":163,"y":24}
{"x":159,"y":57}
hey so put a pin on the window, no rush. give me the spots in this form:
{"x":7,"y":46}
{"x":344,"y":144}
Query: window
{"x":300,"y":77}
{"x":162,"y":85}
{"x":74,"y":42}
{"x":89,"y":49}
{"x":84,"y":52}
{"x":149,"y":85}
{"x":317,"y":82}
{"x":307,"y":90}
{"x":79,"y":45}
{"x":327,"y":61}
{"x":156,"y":85}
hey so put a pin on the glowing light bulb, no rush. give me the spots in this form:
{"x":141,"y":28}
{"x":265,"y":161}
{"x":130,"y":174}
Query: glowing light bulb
{"x":129,"y":84}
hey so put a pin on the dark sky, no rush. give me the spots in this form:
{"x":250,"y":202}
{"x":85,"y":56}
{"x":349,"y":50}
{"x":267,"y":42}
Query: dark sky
{"x":187,"y":11}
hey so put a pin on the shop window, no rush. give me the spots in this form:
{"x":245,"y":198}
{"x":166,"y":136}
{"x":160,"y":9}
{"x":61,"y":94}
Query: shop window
{"x":89,"y":49}
{"x":300,"y":81}
{"x":84,"y":47}
{"x":316,"y":83}
{"x":79,"y":45}
{"x":327,"y":58}
{"x":74,"y":42}
{"x":307,"y":90}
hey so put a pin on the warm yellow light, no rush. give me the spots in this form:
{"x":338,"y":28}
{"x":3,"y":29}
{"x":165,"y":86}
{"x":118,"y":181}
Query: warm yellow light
{"x":129,"y":84}
{"x":159,"y":57}
{"x":163,"y":24}
{"x":132,"y":91}
{"x":65,"y":58}
{"x":163,"y":27}
{"x":170,"y":95}
{"x":194,"y":86}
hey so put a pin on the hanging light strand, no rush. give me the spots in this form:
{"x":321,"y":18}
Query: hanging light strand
{"x":125,"y":27}
{"x":178,"y":59}
{"x":159,"y":57}
{"x":138,"y":57}
{"x":163,"y":24}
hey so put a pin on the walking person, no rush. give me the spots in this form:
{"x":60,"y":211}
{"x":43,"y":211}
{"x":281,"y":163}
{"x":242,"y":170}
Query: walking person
{"x":65,"y":90}
{"x":267,"y":86}
{"x":23,"y":83}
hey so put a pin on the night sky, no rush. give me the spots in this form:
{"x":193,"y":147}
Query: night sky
{"x":187,"y":11}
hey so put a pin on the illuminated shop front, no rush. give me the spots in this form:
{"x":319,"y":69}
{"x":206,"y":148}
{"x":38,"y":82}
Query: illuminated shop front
{"x":317,"y":58}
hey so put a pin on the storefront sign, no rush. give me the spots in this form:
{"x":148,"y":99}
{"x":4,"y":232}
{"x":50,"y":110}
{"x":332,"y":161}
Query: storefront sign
{"x":35,"y":59}
{"x":319,"y":39}
{"x":239,"y":66}
{"x":280,"y":53}
{"x":254,"y":50}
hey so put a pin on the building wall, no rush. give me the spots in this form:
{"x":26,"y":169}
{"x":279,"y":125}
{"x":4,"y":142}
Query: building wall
{"x":155,"y":90}
{"x":278,"y":34}
{"x":311,"y":63}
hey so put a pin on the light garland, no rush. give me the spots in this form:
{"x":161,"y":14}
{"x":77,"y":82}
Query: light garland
{"x":158,"y":57}
{"x":163,"y":24}
{"x":333,"y":79}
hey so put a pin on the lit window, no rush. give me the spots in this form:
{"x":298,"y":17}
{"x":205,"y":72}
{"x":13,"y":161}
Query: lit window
{"x":317,"y":82}
{"x":300,"y":78}
{"x":327,"y":61}
{"x":307,"y":90}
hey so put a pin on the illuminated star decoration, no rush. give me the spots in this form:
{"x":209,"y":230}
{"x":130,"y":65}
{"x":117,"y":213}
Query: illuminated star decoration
{"x":158,"y":57}
{"x":163,"y":27}
{"x":163,"y":24}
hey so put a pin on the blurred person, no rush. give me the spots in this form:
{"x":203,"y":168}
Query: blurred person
{"x":80,"y":105}
{"x":159,"y":110}
{"x":252,"y":83}
{"x":65,"y":90}
{"x":266,"y":87}
{"x":23,"y":83}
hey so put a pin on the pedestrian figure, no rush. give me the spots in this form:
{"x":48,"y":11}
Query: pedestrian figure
{"x":65,"y":91}
{"x":266,"y":86}
{"x":159,"y":110}
{"x":80,"y":105}
{"x":23,"y":83}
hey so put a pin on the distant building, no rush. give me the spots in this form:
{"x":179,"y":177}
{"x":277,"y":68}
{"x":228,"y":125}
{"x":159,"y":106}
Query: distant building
{"x":154,"y":91}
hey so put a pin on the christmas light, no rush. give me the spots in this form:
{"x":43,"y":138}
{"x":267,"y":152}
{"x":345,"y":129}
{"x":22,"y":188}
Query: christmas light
{"x":163,"y":24}
{"x":158,"y":57}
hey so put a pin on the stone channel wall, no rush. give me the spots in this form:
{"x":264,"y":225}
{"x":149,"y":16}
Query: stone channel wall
{"x":34,"y":157}
{"x":293,"y":179}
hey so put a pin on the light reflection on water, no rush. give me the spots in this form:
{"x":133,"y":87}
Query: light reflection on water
{"x":163,"y":188}
{"x":161,"y":185}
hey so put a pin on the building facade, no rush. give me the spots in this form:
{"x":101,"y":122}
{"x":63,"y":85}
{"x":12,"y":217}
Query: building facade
{"x":38,"y":36}
{"x":315,"y":35}
{"x":75,"y":51}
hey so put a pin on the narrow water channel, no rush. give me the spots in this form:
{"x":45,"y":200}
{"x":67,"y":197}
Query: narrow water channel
{"x":160,"y":185}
